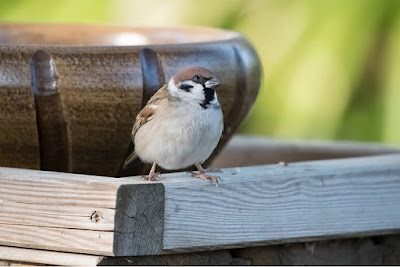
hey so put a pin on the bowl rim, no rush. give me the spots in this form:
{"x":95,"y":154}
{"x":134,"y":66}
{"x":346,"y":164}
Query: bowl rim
{"x":226,"y":35}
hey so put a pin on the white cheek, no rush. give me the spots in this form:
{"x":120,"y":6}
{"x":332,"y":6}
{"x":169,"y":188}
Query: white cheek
{"x":196,"y":93}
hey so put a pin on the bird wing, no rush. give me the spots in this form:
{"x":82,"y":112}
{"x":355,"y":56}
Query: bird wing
{"x":145,"y":115}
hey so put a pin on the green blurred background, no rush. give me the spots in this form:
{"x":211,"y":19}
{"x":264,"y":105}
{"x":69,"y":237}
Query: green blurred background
{"x":331,"y":68}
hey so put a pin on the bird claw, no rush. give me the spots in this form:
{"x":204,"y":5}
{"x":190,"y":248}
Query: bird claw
{"x":155,"y":176}
{"x":213,"y":178}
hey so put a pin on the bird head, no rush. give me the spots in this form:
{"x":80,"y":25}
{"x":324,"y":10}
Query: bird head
{"x":196,"y":85}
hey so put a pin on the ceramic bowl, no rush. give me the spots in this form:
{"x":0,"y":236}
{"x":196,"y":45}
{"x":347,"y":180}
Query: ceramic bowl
{"x":69,"y":94}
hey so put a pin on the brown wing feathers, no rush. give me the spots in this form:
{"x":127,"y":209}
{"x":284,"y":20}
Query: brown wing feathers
{"x":146,"y":114}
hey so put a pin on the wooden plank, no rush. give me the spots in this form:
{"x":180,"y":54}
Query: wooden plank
{"x":252,"y":206}
{"x":79,"y":213}
{"x":59,"y":239}
{"x":256,"y":150}
{"x":56,"y":216}
{"x":275,"y":204}
{"x":139,"y":221}
{"x":47,"y":257}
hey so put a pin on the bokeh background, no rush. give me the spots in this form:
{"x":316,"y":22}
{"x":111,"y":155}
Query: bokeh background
{"x":331,"y":68}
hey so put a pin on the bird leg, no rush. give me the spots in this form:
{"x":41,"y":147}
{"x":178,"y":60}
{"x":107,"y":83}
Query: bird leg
{"x":203,"y":175}
{"x":153,"y":175}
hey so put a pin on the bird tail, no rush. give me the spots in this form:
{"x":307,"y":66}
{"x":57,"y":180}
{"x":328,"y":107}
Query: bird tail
{"x":131,"y":164}
{"x":130,"y":159}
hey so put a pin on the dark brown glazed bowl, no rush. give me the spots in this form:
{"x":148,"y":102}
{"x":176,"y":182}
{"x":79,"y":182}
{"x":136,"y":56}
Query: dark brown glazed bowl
{"x":69,"y":94}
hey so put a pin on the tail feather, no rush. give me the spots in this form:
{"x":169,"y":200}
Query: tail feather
{"x":131,"y":165}
{"x":131,"y":161}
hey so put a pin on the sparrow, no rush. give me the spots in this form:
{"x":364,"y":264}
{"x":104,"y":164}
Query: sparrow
{"x":180,"y":125}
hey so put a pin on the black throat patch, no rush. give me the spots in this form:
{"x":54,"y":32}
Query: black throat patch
{"x":208,"y":97}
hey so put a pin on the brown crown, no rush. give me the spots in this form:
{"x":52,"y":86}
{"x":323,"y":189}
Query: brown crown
{"x":187,"y":74}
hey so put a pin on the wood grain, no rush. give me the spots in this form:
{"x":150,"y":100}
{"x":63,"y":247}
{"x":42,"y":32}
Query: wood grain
{"x":58,"y":239}
{"x":256,"y":150}
{"x":252,"y":206}
{"x":47,"y":257}
{"x":139,"y":226}
{"x":275,"y":204}
{"x":49,"y":210}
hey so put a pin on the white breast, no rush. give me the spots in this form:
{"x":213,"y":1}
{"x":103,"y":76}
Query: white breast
{"x":180,"y":136}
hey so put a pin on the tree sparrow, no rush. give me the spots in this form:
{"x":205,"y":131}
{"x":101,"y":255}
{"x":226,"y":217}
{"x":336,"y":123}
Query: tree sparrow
{"x":180,"y":125}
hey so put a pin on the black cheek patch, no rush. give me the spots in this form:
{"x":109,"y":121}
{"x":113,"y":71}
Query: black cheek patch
{"x":208,"y":97}
{"x":186,"y":87}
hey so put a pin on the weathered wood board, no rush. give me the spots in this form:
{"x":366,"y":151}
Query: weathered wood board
{"x":252,"y":206}
{"x":76,"y":213}
{"x":273,"y":204}
{"x":47,"y":257}
{"x":257,"y":150}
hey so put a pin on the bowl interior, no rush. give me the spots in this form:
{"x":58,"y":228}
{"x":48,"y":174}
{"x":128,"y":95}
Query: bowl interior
{"x":93,"y":35}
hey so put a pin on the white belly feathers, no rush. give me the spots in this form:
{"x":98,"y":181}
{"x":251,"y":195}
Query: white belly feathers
{"x":180,"y":138}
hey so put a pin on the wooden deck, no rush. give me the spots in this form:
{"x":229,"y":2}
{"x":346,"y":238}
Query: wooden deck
{"x":77,"y":219}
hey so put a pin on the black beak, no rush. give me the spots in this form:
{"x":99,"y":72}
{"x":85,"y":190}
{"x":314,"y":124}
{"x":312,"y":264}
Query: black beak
{"x":212,"y":83}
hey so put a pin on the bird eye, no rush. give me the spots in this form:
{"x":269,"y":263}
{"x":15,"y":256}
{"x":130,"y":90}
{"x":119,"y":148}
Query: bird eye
{"x":196,"y":78}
